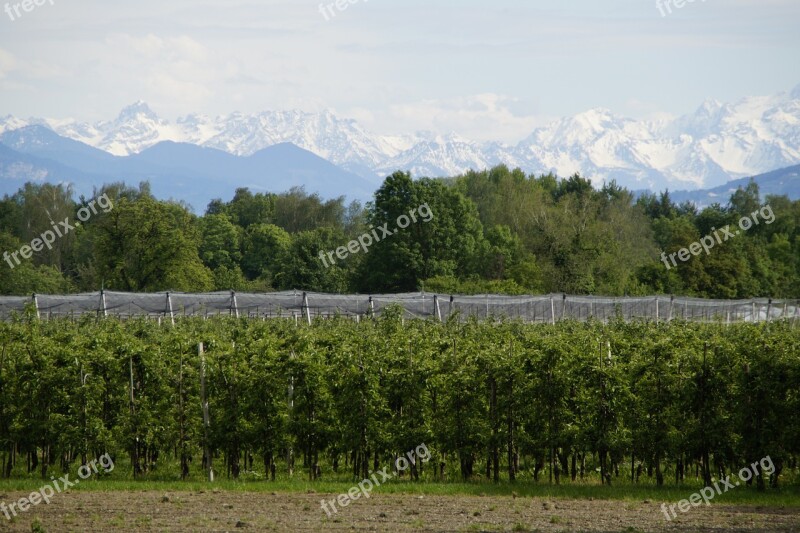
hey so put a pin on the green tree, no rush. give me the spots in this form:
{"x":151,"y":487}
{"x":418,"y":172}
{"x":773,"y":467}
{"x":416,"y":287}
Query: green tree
{"x":450,"y":243}
{"x":303,"y":268}
{"x":220,"y":245}
{"x":266,"y":251}
{"x":26,"y":278}
{"x":149,"y":246}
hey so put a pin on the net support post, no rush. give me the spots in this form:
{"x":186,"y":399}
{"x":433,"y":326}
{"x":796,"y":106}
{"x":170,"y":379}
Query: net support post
{"x":656,"y":309}
{"x":306,"y":309}
{"x":671,"y":304}
{"x":234,"y":306}
{"x":103,"y":306}
{"x":169,"y":309}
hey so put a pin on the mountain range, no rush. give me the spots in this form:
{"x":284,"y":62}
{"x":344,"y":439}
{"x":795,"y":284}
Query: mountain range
{"x":180,"y":171}
{"x":784,"y":181}
{"x":273,"y":150}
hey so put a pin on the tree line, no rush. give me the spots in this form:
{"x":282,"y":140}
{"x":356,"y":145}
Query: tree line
{"x":651,"y":403}
{"x":496,"y":231}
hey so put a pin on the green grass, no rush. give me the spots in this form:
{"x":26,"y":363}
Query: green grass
{"x":788,"y":496}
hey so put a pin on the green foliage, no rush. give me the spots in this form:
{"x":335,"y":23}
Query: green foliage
{"x":489,"y":400}
{"x":495,"y":231}
{"x":452,"y":285}
{"x":303,"y":268}
{"x":266,"y":249}
{"x":27,"y":278}
{"x":220,"y":242}
{"x":451,"y":242}
{"x":150,"y":246}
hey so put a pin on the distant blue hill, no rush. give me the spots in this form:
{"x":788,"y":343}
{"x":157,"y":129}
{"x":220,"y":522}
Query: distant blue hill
{"x":197,"y":175}
{"x":18,"y":168}
{"x":44,"y":143}
{"x":785,"y":181}
{"x":179,"y":171}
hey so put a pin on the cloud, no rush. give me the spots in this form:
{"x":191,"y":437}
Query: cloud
{"x":7,"y":63}
{"x":486,"y":116}
{"x":484,"y":70}
{"x":170,"y":70}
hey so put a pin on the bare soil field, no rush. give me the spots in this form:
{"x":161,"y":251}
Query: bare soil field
{"x":243,"y":511}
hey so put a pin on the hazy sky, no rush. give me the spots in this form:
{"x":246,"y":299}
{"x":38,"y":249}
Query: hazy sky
{"x":487,"y":70}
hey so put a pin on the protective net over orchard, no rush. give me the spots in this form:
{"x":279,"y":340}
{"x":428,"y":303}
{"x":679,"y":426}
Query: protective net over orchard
{"x":298,"y":305}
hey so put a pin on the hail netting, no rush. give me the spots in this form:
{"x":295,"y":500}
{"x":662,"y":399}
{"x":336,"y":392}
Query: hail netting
{"x":294,"y":304}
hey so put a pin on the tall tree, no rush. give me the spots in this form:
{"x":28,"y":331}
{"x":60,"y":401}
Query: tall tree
{"x":149,"y":245}
{"x":449,"y":243}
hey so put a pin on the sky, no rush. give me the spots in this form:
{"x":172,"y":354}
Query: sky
{"x":489,"y":70}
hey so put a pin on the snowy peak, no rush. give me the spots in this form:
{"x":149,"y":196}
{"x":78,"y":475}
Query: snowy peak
{"x":137,"y":111}
{"x":709,"y":108}
{"x":703,"y":122}
{"x":10,"y":123}
{"x":706,"y":148}
{"x":596,"y":120}
{"x":710,"y":114}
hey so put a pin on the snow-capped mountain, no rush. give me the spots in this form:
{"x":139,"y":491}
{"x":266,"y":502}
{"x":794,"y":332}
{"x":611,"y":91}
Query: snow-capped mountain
{"x":447,"y":155}
{"x":717,"y":143}
{"x":135,"y":129}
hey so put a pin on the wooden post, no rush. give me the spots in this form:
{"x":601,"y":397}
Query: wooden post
{"x":209,"y":461}
{"x":135,"y":452}
{"x":83,"y":377}
{"x":36,"y":305}
{"x":436,"y":311}
{"x":290,"y":402}
{"x":552,"y":311}
{"x":184,"y":457}
{"x":512,"y":456}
